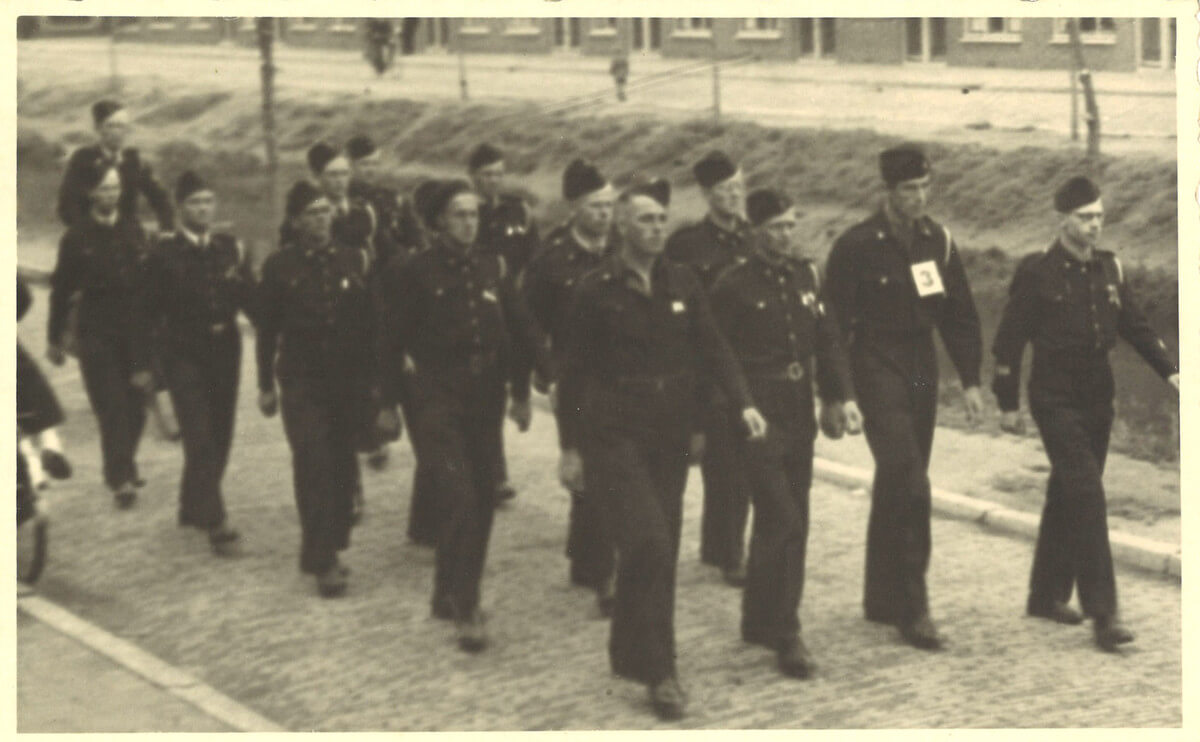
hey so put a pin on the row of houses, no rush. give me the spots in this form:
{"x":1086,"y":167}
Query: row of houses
{"x":1115,"y":44}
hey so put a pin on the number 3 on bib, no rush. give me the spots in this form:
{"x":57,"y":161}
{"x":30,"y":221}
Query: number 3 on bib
{"x":927,"y":279}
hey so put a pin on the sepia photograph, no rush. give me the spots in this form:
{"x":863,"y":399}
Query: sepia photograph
{"x":574,"y":373}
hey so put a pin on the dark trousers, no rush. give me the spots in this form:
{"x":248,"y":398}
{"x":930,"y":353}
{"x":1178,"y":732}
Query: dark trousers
{"x":590,"y":547}
{"x":640,"y":477}
{"x":322,"y":425}
{"x":37,"y":406}
{"x":726,"y":494}
{"x":424,"y":507}
{"x":459,"y":417}
{"x":899,"y":407}
{"x":779,"y":471}
{"x":106,"y":363}
{"x":1072,"y":546}
{"x":203,"y":384}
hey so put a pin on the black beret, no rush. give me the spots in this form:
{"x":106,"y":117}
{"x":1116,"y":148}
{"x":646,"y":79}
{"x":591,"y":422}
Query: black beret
{"x":301,"y":196}
{"x":1076,"y":192}
{"x":319,"y":157}
{"x":93,"y":175}
{"x":421,"y":196}
{"x":658,"y":189}
{"x":764,"y":204}
{"x":714,"y":168}
{"x":484,"y":155}
{"x":360,"y":146}
{"x":188,"y":184}
{"x":103,"y":109}
{"x":903,"y":162}
{"x":439,"y":197}
{"x":581,"y":178}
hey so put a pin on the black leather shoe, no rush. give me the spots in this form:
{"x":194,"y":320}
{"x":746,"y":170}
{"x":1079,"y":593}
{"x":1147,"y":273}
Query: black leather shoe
{"x":125,"y":496}
{"x":472,"y":636}
{"x":752,"y":636}
{"x":1110,"y":633}
{"x":223,"y":540}
{"x":921,"y":633}
{"x":1057,"y":612}
{"x":668,"y":699}
{"x":332,"y":582}
{"x":734,"y":576}
{"x":606,"y":596}
{"x":794,"y":659}
{"x":56,"y":465}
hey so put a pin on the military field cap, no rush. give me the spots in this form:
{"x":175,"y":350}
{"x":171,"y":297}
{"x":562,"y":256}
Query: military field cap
{"x":484,"y":155}
{"x":102,"y":110}
{"x":764,"y":204}
{"x":440,"y":197}
{"x":360,"y":146}
{"x":714,"y":168}
{"x":302,"y":195}
{"x":581,"y":178}
{"x":95,"y":174}
{"x":189,"y":183}
{"x":319,"y":157}
{"x":903,"y":162}
{"x":1076,"y":192}
{"x":658,"y":189}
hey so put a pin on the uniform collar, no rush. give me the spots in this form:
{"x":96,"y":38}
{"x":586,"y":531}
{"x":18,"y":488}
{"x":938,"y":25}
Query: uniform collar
{"x":110,"y":156}
{"x":451,"y":256}
{"x":107,"y":221}
{"x":629,"y":276}
{"x":739,"y":226}
{"x":896,"y":225}
{"x":1060,"y":250}
{"x":197,"y":240}
{"x":772,"y":266}
{"x":591,"y":247}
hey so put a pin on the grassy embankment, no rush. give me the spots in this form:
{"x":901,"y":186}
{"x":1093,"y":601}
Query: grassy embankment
{"x":997,"y":203}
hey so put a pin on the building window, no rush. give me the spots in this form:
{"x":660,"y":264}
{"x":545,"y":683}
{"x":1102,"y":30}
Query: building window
{"x":343,"y":25}
{"x":302,"y":24}
{"x":603,"y":27}
{"x":818,"y":37}
{"x":523,"y":27}
{"x":164,"y":22}
{"x":693,"y":27}
{"x":759,"y":28}
{"x":993,"y":30}
{"x":474,"y":27}
{"x":1091,"y":31}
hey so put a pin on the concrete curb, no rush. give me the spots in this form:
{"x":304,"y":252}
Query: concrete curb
{"x":1128,"y":550}
{"x":169,"y":678}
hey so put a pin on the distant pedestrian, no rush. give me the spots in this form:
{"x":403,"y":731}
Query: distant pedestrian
{"x":640,"y":332}
{"x":1071,"y":301}
{"x":891,"y":280}
{"x":100,"y":259}
{"x":709,"y":246}
{"x":381,"y":44}
{"x":196,"y":281}
{"x":38,"y":412}
{"x":452,"y":331}
{"x":571,"y":252}
{"x":770,"y":309}
{"x":619,"y":69}
{"x":314,"y":308}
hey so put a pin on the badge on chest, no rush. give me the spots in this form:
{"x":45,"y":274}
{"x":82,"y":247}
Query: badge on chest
{"x":928,"y":278}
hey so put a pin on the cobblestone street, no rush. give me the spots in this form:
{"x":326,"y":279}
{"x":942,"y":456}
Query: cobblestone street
{"x":253,"y":628}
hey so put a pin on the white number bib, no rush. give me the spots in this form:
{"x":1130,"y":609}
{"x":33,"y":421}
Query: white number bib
{"x":927,"y":279}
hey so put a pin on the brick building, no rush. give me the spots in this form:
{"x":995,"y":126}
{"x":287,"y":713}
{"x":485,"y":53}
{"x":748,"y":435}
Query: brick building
{"x":1116,"y":44}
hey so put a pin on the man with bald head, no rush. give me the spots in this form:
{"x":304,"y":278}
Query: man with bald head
{"x":640,"y":332}
{"x":1071,"y":302}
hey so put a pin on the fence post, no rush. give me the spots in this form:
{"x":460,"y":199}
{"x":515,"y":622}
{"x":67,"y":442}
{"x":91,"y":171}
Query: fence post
{"x":266,"y":45}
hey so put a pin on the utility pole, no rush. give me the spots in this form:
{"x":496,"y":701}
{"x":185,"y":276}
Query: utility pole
{"x":266,"y":47}
{"x":1089,"y":93}
{"x":114,"y":77}
{"x":462,"y":60}
{"x":716,"y":78}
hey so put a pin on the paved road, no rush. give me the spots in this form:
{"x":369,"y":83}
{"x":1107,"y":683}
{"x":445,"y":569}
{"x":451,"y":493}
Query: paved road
{"x":1013,"y":109}
{"x":253,"y":628}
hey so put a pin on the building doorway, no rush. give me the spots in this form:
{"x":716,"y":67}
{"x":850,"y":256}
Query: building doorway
{"x":818,"y":37}
{"x":567,"y":34}
{"x":1157,"y":39}
{"x":925,"y":39}
{"x":647,"y":34}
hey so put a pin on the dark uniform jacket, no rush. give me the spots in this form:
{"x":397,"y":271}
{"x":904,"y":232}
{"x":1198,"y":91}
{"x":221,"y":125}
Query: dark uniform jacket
{"x":353,"y":226}
{"x":314,"y":308}
{"x":707,"y":249}
{"x":102,"y":263}
{"x":630,"y":360}
{"x":506,"y":228}
{"x":871,"y":287}
{"x":783,"y":335}
{"x":192,"y":291}
{"x":1072,"y":311}
{"x":552,"y":276}
{"x":136,"y":178}
{"x":397,"y":231}
{"x":444,"y":311}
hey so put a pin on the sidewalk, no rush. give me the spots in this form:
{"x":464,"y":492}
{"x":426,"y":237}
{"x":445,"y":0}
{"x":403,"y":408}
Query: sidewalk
{"x":64,"y":686}
{"x":1149,"y":82}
